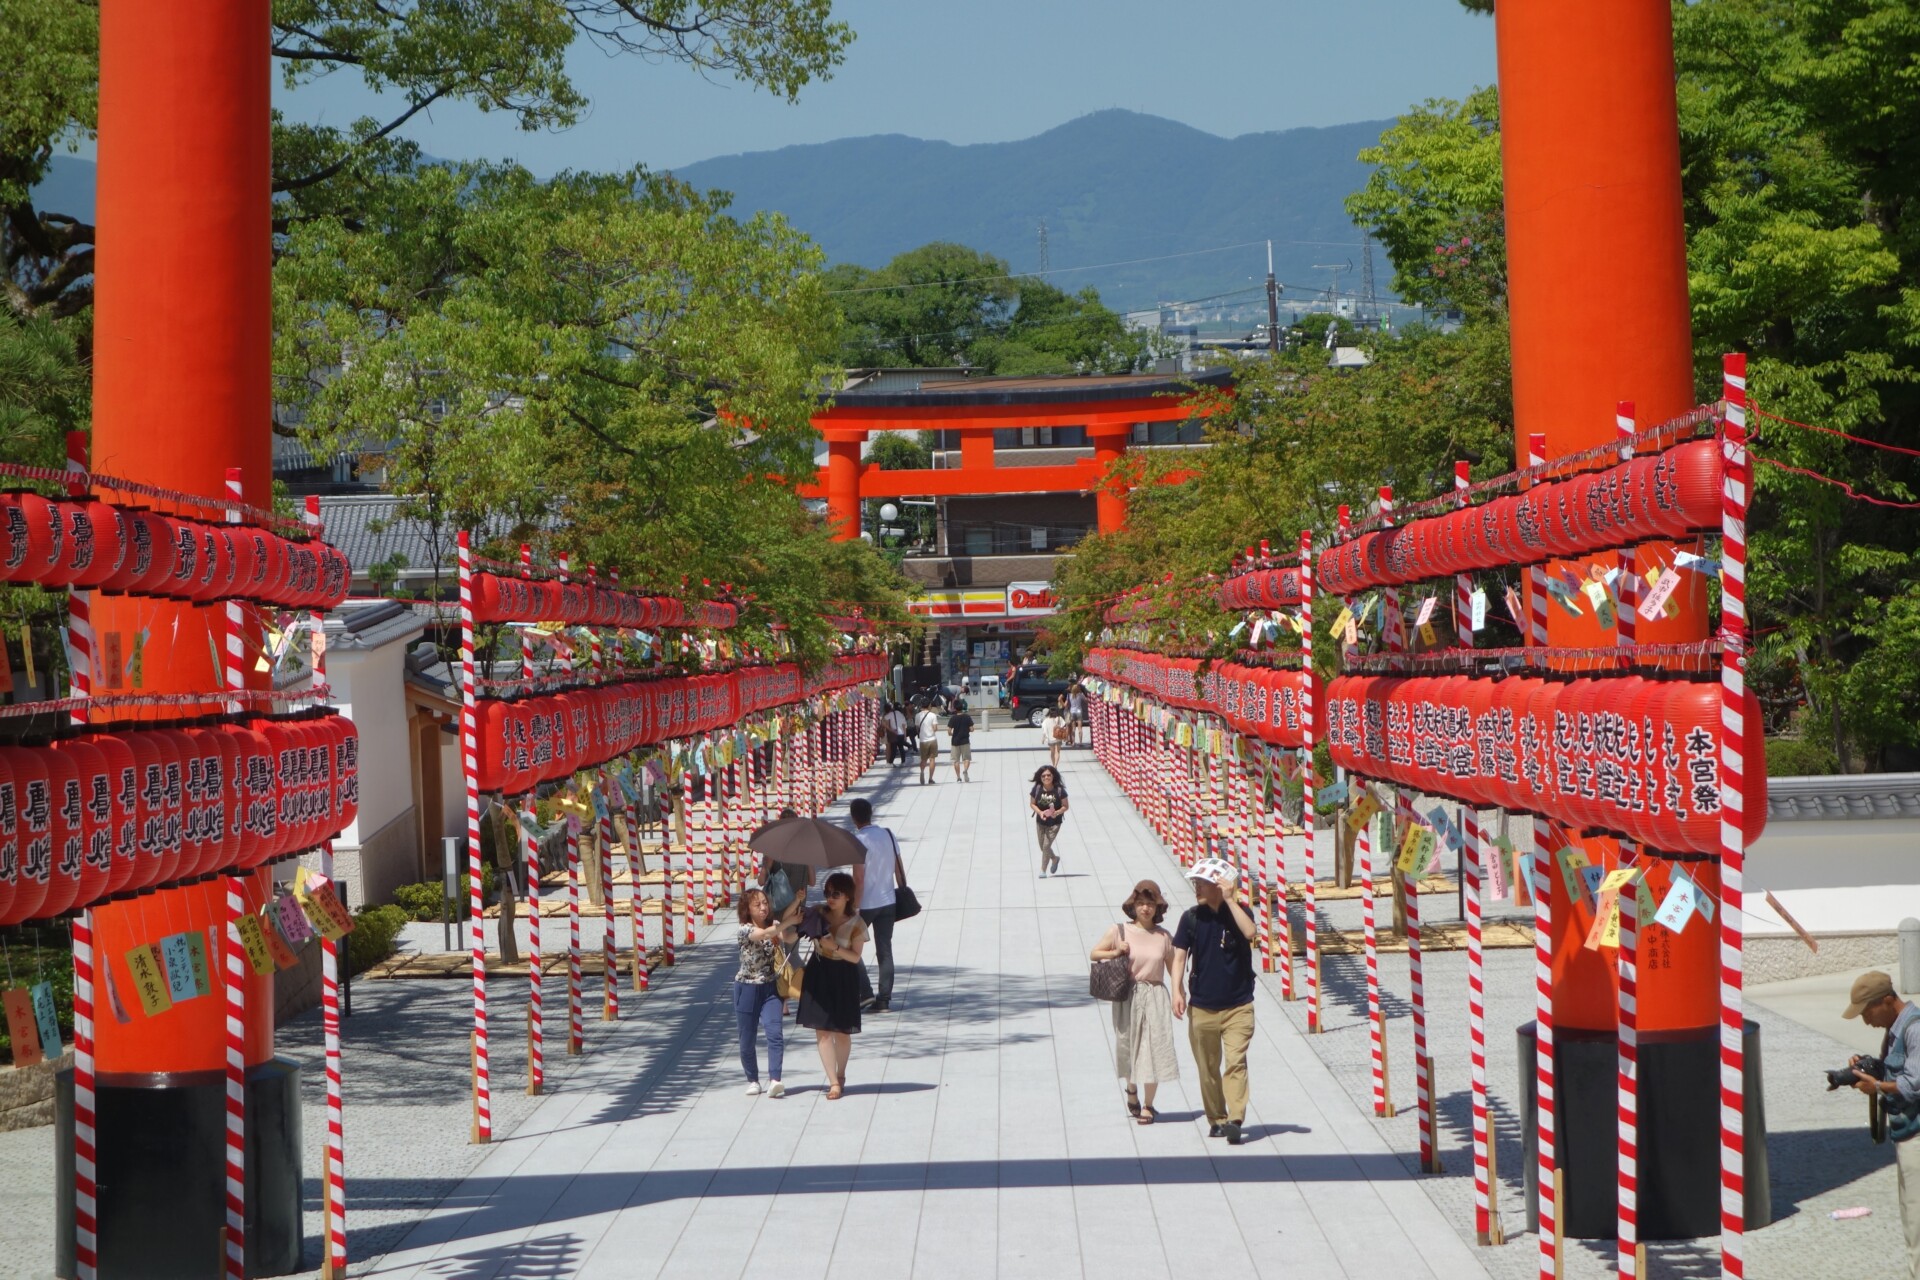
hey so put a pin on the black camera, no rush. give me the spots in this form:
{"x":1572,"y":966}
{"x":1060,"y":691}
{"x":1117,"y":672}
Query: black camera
{"x":1845,"y":1079}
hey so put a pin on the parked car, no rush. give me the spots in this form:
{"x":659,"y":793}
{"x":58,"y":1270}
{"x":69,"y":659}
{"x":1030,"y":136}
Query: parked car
{"x":1031,"y":692}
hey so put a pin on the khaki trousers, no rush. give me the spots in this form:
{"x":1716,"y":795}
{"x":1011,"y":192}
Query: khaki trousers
{"x":1219,"y":1038}
{"x":1906,"y":1163}
{"x":1047,"y":833}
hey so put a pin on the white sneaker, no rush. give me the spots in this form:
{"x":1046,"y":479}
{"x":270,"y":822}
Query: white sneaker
{"x":776,"y":1090}
{"x":753,"y":1088}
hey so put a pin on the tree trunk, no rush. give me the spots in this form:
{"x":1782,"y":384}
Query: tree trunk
{"x":504,"y":846}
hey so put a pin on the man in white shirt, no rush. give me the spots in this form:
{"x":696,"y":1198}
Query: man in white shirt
{"x":896,"y":722}
{"x":874,"y":886}
{"x":926,"y":728}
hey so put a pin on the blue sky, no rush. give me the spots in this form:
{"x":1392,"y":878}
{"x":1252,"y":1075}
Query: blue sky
{"x":993,"y":70}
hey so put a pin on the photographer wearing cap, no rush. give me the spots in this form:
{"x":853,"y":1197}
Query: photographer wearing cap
{"x":1893,"y":1083}
{"x":1215,"y":937}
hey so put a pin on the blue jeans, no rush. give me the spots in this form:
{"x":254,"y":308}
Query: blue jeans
{"x":756,"y":1005}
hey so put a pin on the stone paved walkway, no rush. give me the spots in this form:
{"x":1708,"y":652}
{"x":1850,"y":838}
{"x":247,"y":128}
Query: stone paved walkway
{"x":982,"y":1133}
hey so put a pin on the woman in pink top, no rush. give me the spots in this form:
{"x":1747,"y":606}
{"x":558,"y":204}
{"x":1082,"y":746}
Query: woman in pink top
{"x":1143,"y":1022}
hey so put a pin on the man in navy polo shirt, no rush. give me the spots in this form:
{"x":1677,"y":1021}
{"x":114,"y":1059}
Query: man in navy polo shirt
{"x":1215,"y":943}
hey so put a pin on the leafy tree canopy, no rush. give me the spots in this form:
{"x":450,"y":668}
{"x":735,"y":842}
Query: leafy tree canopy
{"x":945,"y":304}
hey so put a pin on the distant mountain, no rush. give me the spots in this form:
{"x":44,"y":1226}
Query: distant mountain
{"x":1112,"y":187}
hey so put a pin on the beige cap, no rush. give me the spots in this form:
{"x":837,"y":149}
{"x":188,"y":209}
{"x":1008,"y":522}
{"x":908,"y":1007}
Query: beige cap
{"x":1868,"y":988}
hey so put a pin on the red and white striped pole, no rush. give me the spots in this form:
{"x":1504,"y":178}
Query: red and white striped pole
{"x":1274,"y":833}
{"x":1627,"y":1078}
{"x":1547,"y":1211}
{"x":1628,"y":595}
{"x":1628,"y":1085}
{"x":635,"y":898}
{"x":1370,"y":944}
{"x":609,"y":939}
{"x":1462,"y":582}
{"x":1547,"y":1215}
{"x":1735,"y":494}
{"x":576,"y":1013}
{"x":80,"y":685}
{"x":526,"y":637}
{"x":536,"y":970}
{"x":334,"y":1193}
{"x":1474,"y":866}
{"x":476,"y":901}
{"x":233,"y":967}
{"x":1309,"y":879}
{"x":666,"y":883}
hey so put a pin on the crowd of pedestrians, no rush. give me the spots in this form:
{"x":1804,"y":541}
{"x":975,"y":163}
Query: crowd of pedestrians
{"x":1200,"y":972}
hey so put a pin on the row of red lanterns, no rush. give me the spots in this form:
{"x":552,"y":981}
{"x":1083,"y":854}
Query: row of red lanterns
{"x":1666,"y":495}
{"x":106,"y":812}
{"x":96,"y":545}
{"x":1272,"y":705}
{"x":526,"y":741}
{"x":1635,"y":757}
{"x":1261,"y":589}
{"x":502,"y":597}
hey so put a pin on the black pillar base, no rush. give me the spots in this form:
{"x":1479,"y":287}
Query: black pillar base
{"x":161,"y":1168}
{"x":1679,"y":1132}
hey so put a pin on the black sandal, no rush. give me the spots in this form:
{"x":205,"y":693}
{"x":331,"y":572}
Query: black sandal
{"x":1147,"y":1115}
{"x":1133,"y":1102}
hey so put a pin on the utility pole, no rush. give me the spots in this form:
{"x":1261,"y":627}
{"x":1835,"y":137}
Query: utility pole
{"x":1369,"y":301}
{"x":1273,"y":305}
{"x":1046,"y":263}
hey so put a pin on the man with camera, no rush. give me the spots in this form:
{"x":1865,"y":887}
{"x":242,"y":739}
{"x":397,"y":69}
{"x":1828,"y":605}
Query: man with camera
{"x":1893,"y":1081}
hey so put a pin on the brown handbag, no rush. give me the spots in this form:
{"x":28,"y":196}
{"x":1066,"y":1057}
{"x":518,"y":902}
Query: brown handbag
{"x":1112,"y":978}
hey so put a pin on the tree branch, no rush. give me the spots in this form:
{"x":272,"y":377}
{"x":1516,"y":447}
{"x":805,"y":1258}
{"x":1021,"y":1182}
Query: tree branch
{"x":314,"y":179}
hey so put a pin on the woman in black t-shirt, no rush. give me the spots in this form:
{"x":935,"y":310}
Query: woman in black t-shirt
{"x":960,"y":739}
{"x":1048,"y":801}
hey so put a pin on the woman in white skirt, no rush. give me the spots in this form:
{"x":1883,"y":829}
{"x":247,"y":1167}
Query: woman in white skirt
{"x":1143,"y":1022}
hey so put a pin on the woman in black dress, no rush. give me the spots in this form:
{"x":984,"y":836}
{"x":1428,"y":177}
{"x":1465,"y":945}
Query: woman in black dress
{"x":830,"y":992}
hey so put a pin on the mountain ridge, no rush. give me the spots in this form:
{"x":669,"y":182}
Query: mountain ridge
{"x":1143,"y":208}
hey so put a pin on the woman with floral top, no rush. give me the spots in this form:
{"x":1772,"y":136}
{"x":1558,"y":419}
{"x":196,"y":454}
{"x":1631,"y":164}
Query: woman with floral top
{"x":756,"y":1000}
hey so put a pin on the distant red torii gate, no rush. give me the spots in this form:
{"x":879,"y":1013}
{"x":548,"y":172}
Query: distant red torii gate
{"x":974,"y":408}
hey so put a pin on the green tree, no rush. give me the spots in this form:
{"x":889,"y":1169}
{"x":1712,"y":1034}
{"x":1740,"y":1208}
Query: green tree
{"x":1434,"y":201}
{"x":897,"y":451}
{"x":944,"y":305}
{"x":609,"y":355}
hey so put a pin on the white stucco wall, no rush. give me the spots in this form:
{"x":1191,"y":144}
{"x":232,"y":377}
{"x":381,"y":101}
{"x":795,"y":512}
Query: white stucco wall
{"x":1858,"y":875}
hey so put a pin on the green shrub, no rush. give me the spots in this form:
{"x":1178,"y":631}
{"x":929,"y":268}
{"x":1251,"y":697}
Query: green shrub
{"x":421,"y":901}
{"x":1795,"y":757}
{"x":374,"y":929}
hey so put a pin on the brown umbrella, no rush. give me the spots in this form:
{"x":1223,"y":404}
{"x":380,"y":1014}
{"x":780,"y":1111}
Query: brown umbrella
{"x":808,"y":842}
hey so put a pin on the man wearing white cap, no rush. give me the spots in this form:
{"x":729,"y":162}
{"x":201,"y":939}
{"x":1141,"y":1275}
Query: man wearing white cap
{"x":1216,"y":937}
{"x":1874,"y":1001}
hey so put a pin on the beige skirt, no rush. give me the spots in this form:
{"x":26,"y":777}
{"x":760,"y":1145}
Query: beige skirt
{"x":1143,"y":1036}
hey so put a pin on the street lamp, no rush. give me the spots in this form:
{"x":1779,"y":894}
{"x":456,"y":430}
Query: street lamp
{"x":888,"y":513}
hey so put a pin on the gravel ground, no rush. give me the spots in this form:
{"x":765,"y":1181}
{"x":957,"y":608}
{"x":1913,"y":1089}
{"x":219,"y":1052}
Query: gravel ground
{"x":1821,"y":1158}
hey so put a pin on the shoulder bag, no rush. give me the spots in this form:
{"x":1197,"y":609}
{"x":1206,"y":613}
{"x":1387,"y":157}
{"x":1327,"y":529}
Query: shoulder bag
{"x":1112,"y":979}
{"x":787,"y":975}
{"x":906,"y":903}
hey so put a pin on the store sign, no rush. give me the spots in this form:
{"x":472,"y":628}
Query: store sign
{"x":1026,"y":599}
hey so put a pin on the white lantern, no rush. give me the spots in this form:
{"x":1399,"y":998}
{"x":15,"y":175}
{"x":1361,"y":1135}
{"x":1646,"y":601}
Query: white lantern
{"x":889,"y":513}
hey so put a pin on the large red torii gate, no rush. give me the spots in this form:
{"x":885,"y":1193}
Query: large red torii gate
{"x":1108,"y":406}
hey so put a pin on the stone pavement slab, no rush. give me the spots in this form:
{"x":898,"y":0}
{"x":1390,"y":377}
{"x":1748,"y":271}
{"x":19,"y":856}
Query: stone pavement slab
{"x":983,"y":1132}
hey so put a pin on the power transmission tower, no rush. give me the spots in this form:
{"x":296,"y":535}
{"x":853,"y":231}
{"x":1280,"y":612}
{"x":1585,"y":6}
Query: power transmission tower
{"x":1046,"y":263}
{"x":1273,"y":305}
{"x":1369,"y":300}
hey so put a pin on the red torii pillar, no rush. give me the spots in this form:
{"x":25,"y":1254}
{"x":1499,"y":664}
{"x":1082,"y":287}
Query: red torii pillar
{"x":843,"y":482}
{"x":1591,"y":158}
{"x":182,"y":391}
{"x":1110,"y":500}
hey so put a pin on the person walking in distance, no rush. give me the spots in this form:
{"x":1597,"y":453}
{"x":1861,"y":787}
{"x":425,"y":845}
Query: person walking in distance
{"x":876,"y":881}
{"x":1213,"y":979}
{"x":926,"y":731}
{"x":1874,"y":1001}
{"x":1142,"y":1022}
{"x":960,"y":741}
{"x":757,"y":1004}
{"x":830,"y":989}
{"x":1048,"y":802}
{"x":896,"y":725}
{"x":1077,"y":711}
{"x":1055,"y":728}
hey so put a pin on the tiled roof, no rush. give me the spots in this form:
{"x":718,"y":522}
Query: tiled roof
{"x":1849,"y":795}
{"x":369,"y":529}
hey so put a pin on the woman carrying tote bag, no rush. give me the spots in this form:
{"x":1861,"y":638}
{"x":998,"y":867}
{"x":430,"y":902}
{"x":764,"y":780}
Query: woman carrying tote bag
{"x":1143,"y":1019}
